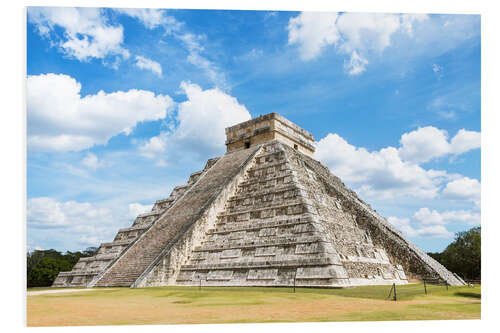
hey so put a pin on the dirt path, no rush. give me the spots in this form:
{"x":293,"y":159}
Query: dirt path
{"x":55,"y":291}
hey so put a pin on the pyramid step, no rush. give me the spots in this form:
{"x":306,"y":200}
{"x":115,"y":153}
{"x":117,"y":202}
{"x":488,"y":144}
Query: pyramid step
{"x":275,"y":241}
{"x":262,"y":206}
{"x":261,"y":179}
{"x":318,"y":261}
{"x":256,"y":224}
{"x":271,"y":206}
{"x":273,"y":190}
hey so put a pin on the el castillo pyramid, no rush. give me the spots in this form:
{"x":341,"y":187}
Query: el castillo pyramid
{"x":263,"y":214}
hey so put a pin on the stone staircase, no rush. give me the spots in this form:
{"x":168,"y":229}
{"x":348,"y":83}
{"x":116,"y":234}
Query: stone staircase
{"x":142,"y":253}
{"x":86,"y":270}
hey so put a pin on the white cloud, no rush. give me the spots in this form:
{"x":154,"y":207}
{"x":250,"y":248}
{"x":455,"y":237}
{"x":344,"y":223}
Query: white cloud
{"x":425,"y":216}
{"x":145,"y":63}
{"x":465,"y":188}
{"x":151,"y":18}
{"x":429,"y":231}
{"x":368,"y":31}
{"x":408,"y":21}
{"x":427,"y":143}
{"x":424,"y":144}
{"x":59,"y":119}
{"x":398,"y":222}
{"x":195,"y":48}
{"x":392,"y":172}
{"x":72,"y":222}
{"x":353,"y":34}
{"x":431,"y":223}
{"x":464,"y":141}
{"x":464,"y":216}
{"x":205,"y":115}
{"x":202,"y":120}
{"x":86,"y":32}
{"x":155,"y":145}
{"x":45,"y":212}
{"x":432,"y":231}
{"x":380,"y":174}
{"x":365,"y":36}
{"x":436,"y":68}
{"x":312,"y":31}
{"x":356,"y":64}
{"x":91,"y":161}
{"x":136,"y":208}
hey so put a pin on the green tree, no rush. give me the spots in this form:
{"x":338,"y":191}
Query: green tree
{"x":90,"y":251}
{"x":44,"y":265}
{"x":45,"y":272}
{"x":463,"y":255}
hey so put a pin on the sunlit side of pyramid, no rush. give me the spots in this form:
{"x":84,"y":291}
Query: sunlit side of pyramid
{"x":264,"y":214}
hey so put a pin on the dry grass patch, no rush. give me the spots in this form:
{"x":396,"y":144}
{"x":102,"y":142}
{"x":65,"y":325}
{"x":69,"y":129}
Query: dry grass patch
{"x":188,"y":305}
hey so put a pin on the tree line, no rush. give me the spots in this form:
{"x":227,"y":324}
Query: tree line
{"x":44,"y":265}
{"x":463,"y":255}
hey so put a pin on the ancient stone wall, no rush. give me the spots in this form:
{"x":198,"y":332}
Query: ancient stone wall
{"x":267,"y":128}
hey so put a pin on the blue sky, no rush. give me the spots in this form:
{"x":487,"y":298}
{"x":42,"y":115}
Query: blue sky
{"x":122,"y":105}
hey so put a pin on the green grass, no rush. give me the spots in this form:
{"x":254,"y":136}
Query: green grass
{"x":184,"y":305}
{"x":403,"y":292}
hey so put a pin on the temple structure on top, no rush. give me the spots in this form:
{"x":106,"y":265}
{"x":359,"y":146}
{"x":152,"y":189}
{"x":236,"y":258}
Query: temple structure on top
{"x":267,"y":128}
{"x":263,"y":214}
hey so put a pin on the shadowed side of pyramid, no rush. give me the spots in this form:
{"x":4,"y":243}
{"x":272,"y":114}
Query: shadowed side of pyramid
{"x":372,"y":250}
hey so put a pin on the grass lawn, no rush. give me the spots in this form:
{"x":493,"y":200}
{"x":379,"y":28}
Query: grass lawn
{"x":188,"y":305}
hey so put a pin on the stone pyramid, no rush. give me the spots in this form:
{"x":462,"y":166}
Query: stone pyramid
{"x":264,"y":214}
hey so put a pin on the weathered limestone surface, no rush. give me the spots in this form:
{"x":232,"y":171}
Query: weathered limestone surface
{"x":264,"y":214}
{"x":280,"y":227}
{"x":174,"y":222}
{"x":414,"y":262}
{"x":165,"y":268}
{"x":267,"y":128}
